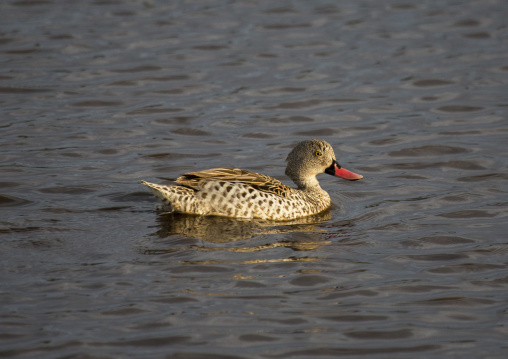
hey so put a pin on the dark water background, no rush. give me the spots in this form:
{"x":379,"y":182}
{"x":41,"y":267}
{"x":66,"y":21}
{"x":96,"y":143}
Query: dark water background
{"x":411,"y":262}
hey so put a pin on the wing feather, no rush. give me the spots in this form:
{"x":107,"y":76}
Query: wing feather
{"x":258,"y":181}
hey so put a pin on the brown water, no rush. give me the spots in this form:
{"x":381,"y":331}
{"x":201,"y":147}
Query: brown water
{"x":411,"y":262}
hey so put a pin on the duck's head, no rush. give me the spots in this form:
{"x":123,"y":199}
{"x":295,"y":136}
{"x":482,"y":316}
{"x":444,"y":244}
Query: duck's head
{"x":313,"y":157}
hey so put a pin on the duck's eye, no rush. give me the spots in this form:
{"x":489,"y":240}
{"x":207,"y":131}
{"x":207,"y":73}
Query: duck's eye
{"x":317,"y":153}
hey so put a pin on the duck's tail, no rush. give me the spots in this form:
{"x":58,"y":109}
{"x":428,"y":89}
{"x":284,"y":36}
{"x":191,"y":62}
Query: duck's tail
{"x":174,"y":198}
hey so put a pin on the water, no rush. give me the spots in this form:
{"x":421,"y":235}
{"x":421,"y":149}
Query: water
{"x":409,"y":262}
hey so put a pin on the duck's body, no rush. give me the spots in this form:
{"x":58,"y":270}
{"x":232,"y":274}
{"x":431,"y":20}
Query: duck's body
{"x":233,"y":192}
{"x":239,"y":193}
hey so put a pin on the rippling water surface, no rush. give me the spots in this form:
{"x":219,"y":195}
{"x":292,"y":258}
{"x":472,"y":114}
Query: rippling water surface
{"x":411,"y":262}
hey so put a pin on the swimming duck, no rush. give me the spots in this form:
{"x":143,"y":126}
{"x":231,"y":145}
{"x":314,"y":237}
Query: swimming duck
{"x":239,"y":193}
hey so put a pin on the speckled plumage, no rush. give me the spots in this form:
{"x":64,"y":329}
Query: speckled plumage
{"x":234,"y":192}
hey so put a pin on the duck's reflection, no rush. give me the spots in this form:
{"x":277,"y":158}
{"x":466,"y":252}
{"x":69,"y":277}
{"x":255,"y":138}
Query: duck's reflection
{"x":218,"y":230}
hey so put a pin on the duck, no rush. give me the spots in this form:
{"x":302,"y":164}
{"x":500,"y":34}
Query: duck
{"x":239,"y":193}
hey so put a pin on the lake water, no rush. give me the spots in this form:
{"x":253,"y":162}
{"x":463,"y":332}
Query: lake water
{"x":410,"y":262}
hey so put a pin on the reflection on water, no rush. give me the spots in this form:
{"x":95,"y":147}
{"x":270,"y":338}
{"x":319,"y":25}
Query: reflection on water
{"x":222,"y":229}
{"x":215,"y":229}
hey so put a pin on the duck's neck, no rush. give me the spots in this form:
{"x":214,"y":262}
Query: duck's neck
{"x":307,"y":183}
